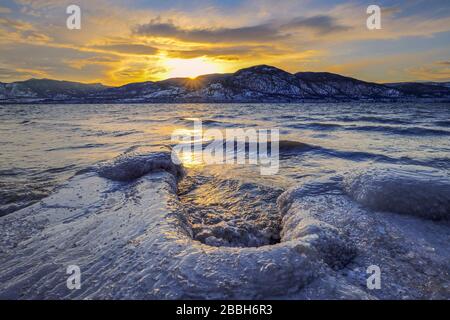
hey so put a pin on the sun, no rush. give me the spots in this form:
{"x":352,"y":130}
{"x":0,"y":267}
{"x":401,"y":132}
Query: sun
{"x":191,"y":68}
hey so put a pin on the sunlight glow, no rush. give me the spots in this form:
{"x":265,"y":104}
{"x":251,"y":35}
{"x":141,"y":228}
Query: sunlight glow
{"x":191,"y":68}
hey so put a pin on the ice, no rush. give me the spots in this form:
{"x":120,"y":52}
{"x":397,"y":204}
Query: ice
{"x":132,"y":240}
{"x":418,"y":191}
{"x":229,"y":212}
{"x":132,"y":166}
{"x":412,"y":252}
{"x":127,"y":229}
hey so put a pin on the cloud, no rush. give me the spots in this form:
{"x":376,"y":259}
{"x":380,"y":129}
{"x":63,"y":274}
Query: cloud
{"x":8,"y":73}
{"x":50,"y":62}
{"x":140,"y":71}
{"x":322,"y":24}
{"x":134,"y":49}
{"x":97,"y":60}
{"x":439,"y":71}
{"x":258,"y":33}
{"x":265,"y":32}
{"x":5,"y":10}
{"x":226,"y":53}
{"x":19,"y":31}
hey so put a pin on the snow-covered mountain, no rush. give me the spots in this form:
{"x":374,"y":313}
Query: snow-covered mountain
{"x":423,"y":89}
{"x":255,"y":84}
{"x":46,"y":90}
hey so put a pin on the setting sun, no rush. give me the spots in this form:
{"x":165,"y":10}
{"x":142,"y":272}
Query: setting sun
{"x":191,"y":68}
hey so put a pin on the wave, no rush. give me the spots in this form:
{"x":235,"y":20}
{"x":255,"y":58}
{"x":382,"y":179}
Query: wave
{"x":420,"y":131}
{"x":325,"y":126}
{"x":216,"y":123}
{"x":316,"y":126}
{"x":361,"y":156}
{"x":27,"y":122}
{"x":444,"y":123}
{"x":102,"y":133}
{"x":83,"y":146}
{"x":357,"y":155}
{"x":13,"y":172}
{"x":125,"y":133}
{"x":294,"y":148}
{"x":372,"y":119}
{"x":289,"y":146}
{"x":56,"y":170}
{"x":285,"y":147}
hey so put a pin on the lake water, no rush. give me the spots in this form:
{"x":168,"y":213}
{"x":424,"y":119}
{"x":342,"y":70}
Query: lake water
{"x":44,"y":145}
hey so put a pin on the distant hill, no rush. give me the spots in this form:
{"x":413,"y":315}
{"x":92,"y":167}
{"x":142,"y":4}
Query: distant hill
{"x":255,"y":84}
{"x":42,"y":90}
{"x":423,"y":89}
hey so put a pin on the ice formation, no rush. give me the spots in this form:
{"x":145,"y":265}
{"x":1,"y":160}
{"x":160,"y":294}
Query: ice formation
{"x":126,"y":228}
{"x":421,"y":192}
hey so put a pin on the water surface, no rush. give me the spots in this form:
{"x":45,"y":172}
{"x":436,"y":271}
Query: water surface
{"x":44,"y":145}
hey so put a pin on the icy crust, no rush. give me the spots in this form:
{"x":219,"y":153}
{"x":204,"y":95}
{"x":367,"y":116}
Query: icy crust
{"x":415,"y":191}
{"x":134,"y":243}
{"x":132,"y":166}
{"x":412,"y":252}
{"x":325,"y":240}
{"x":132,"y":240}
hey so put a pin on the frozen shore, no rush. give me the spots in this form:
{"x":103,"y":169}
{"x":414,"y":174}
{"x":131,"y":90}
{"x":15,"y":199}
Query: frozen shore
{"x":124,"y":225}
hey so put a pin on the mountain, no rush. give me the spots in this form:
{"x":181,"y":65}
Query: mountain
{"x":46,"y":90}
{"x":255,"y":84}
{"x":324,"y":84}
{"x":423,"y":89}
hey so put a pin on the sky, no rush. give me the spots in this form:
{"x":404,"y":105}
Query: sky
{"x":124,"y":41}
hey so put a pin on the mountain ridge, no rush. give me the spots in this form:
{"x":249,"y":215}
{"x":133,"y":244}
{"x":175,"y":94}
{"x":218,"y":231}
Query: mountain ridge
{"x":262,"y":83}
